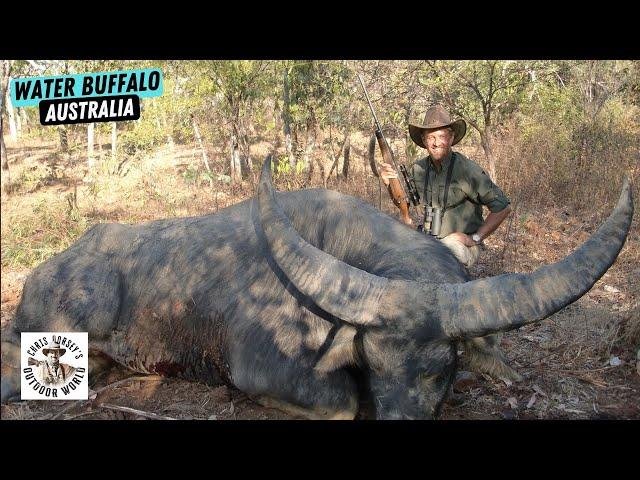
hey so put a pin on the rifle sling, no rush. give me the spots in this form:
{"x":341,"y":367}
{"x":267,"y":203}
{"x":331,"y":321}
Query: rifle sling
{"x":447,"y":183}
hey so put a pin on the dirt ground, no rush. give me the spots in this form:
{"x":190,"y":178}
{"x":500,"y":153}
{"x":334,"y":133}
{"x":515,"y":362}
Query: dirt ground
{"x":581,"y":363}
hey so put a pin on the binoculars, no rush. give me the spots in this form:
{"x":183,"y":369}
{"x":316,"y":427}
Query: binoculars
{"x":432,"y":221}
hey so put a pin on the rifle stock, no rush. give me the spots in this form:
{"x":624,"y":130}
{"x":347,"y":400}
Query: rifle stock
{"x":396,"y":190}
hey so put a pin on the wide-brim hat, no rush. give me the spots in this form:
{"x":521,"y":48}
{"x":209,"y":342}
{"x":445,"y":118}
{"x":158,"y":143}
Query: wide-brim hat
{"x":437,"y":117}
{"x":54,"y":346}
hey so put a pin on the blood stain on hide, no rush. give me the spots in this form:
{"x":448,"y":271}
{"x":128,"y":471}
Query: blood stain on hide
{"x":167,"y":369}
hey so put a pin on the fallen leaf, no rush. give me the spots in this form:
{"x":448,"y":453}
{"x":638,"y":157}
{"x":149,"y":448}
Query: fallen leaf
{"x":615,"y":362}
{"x":513,"y":403}
{"x":465,"y":381}
{"x":538,"y":390}
{"x":532,"y":400}
{"x":611,"y":289}
{"x":213,"y":417}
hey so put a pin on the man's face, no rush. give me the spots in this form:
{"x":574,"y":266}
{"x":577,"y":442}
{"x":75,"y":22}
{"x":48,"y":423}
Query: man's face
{"x":53,"y":357}
{"x":438,"y":142}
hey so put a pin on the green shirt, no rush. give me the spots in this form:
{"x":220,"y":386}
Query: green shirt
{"x":469,"y":190}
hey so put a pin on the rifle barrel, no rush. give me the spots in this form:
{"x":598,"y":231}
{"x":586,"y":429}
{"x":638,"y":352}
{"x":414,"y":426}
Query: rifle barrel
{"x":382,"y":140}
{"x":375,"y":119}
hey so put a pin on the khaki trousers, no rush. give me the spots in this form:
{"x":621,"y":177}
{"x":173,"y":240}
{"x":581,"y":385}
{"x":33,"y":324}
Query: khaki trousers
{"x":466,"y":255}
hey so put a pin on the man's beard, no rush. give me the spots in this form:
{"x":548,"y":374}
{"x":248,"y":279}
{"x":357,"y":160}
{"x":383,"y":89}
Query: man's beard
{"x":440,"y":154}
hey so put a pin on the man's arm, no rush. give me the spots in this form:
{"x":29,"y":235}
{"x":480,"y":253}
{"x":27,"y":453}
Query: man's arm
{"x":487,"y":193}
{"x":493,"y":221}
{"x":387,"y":172}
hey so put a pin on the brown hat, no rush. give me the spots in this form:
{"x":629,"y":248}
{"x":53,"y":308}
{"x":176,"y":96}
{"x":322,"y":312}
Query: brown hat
{"x":437,"y":117}
{"x":54,"y":346}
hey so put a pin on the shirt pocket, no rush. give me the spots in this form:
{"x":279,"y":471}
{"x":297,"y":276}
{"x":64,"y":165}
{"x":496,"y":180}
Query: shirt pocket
{"x":456,"y":196}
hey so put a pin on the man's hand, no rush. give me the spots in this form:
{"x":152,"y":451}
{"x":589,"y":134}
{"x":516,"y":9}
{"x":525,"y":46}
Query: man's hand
{"x":463,"y":238}
{"x":387,"y":172}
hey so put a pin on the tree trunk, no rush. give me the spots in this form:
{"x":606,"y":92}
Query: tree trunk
{"x":90,"y":143}
{"x":236,"y":172}
{"x":486,"y":141}
{"x":205,"y":159}
{"x":24,"y":121}
{"x":165,"y":126}
{"x":286,"y":117}
{"x":346,"y":155}
{"x":5,"y":181}
{"x":296,"y":143}
{"x":246,"y":149}
{"x":64,"y":138}
{"x":343,"y":151}
{"x":12,"y":119}
{"x":19,"y":121}
{"x":6,"y":177}
{"x":114,"y":138}
{"x":311,"y":142}
{"x":410,"y":148}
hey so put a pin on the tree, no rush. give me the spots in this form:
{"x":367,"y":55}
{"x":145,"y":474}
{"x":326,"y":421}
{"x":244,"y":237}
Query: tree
{"x":237,"y":83}
{"x":286,"y":114}
{"x":319,"y":98}
{"x":5,"y":73}
{"x":483,"y":93}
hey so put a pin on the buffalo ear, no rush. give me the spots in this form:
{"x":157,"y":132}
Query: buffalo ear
{"x":341,"y":352}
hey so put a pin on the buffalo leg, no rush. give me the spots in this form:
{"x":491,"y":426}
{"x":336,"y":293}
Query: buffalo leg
{"x":332,"y":396}
{"x":10,"y":384}
{"x":483,"y":355}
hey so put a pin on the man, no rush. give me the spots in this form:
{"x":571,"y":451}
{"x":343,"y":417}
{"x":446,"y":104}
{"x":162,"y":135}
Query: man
{"x":470,"y":188}
{"x":461,"y":199}
{"x":52,"y":372}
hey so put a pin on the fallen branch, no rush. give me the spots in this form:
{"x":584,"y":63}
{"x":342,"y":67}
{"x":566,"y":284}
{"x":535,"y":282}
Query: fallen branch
{"x":150,"y":415}
{"x":590,"y":380}
{"x":146,"y":378}
{"x":83,"y":414}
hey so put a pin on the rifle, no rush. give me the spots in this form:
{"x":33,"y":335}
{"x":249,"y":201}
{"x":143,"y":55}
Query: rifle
{"x":396,"y":190}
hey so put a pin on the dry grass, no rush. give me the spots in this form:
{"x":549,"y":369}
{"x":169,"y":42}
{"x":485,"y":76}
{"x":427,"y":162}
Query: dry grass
{"x":566,"y":357}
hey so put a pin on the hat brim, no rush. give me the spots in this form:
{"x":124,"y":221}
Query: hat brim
{"x":45,"y":351}
{"x":459,"y":131}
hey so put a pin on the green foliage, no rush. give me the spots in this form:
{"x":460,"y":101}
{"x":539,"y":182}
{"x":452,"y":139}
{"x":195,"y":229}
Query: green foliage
{"x":197,"y":177}
{"x":577,"y":129}
{"x":484,"y":92}
{"x":141,"y":136}
{"x":319,"y":91}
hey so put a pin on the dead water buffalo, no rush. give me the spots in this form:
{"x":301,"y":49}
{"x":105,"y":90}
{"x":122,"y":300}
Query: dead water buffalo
{"x":308,"y":300}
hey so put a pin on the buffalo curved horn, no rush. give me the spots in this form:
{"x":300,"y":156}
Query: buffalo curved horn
{"x":345,"y":292}
{"x":509,"y":301}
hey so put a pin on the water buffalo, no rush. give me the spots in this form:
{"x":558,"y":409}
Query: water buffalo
{"x":310,"y":300}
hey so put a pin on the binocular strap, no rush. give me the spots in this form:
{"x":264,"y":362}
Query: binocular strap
{"x":446,"y":187}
